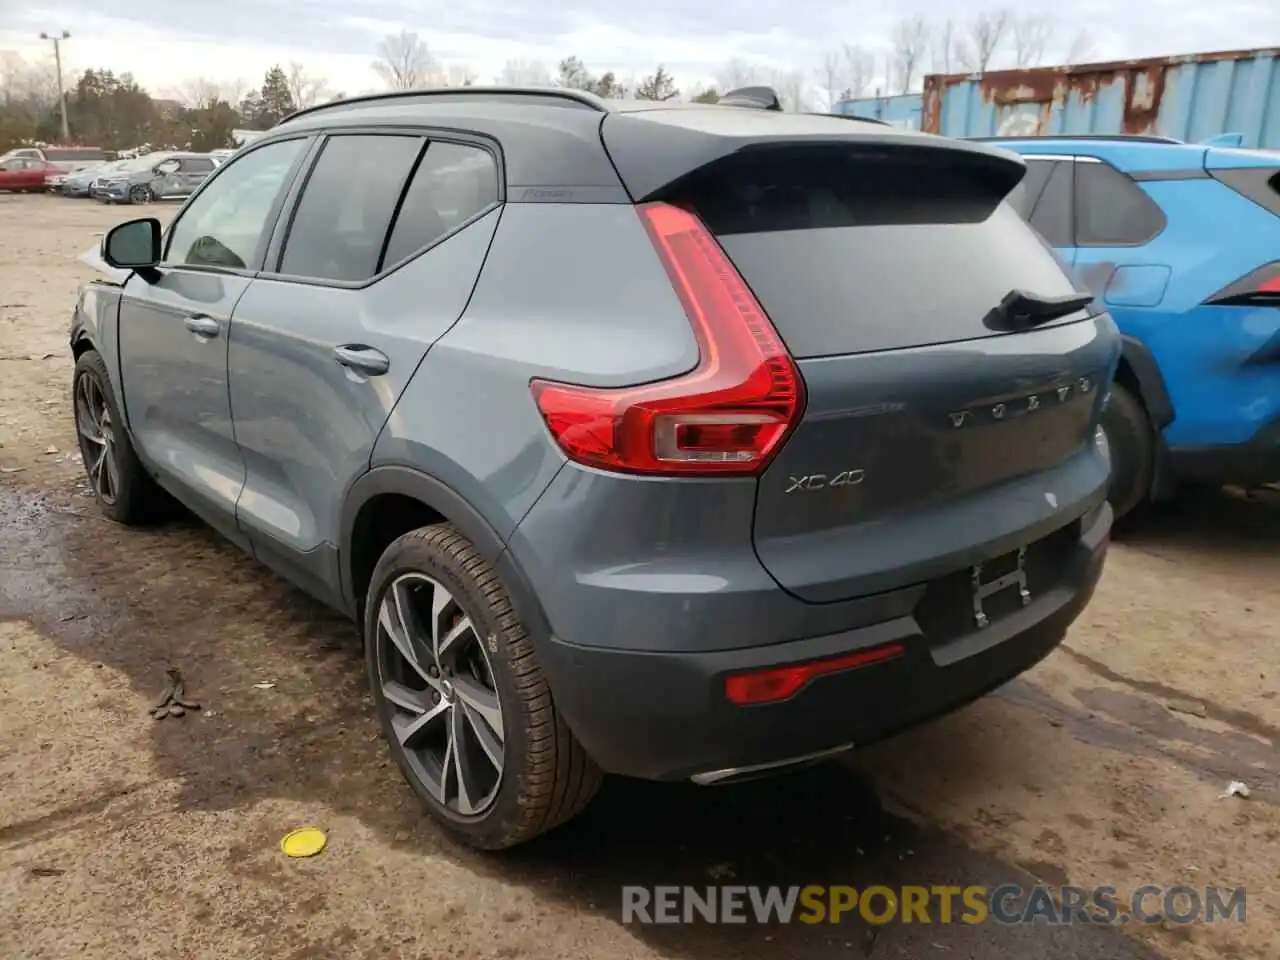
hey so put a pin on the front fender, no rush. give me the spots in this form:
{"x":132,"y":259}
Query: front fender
{"x":96,"y":322}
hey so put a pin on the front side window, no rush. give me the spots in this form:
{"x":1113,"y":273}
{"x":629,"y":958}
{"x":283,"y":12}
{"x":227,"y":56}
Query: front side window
{"x":228,"y":222}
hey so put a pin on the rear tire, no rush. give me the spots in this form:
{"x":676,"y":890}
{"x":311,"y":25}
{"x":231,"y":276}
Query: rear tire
{"x":1131,"y":440}
{"x":129,"y":495}
{"x":447,"y":695}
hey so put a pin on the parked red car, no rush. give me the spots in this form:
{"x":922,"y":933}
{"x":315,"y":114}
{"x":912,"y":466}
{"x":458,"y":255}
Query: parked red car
{"x":24,"y":173}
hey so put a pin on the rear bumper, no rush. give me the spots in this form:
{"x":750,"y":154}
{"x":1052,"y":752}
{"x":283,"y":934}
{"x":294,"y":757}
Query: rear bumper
{"x":664,"y":716}
{"x":1252,"y":463}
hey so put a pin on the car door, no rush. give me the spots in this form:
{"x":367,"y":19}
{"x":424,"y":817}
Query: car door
{"x":324,"y":344}
{"x":193,"y":171}
{"x":13,"y":174}
{"x":173,"y":329}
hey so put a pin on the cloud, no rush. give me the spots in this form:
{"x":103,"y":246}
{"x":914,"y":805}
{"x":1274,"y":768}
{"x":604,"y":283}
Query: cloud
{"x":163,"y":43}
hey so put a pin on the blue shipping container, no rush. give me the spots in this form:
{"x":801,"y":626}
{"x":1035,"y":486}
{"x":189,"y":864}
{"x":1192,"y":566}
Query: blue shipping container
{"x":901,"y":111}
{"x":1188,"y":98}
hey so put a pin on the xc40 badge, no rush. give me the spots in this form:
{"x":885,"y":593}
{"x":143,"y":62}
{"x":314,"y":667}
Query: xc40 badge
{"x":821,"y":481}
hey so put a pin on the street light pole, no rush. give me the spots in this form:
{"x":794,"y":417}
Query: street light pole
{"x":62,"y":96}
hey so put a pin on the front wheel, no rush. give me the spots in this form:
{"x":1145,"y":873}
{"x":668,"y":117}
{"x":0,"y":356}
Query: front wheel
{"x":461,"y":698}
{"x":141,"y":194}
{"x":124,"y":490}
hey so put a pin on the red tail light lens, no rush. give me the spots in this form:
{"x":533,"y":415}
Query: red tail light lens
{"x":729,"y":415}
{"x":778,"y":683}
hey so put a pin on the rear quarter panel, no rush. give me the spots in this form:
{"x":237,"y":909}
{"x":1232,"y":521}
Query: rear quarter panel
{"x":1214,"y":236}
{"x":569,"y":292}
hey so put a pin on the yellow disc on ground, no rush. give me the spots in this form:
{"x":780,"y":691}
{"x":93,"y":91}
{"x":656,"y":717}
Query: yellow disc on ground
{"x":303,"y":842}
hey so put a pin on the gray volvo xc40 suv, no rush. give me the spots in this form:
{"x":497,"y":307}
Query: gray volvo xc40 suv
{"x":673,"y":441}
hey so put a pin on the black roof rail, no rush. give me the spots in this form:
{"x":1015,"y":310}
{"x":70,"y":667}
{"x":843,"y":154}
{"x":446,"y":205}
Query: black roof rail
{"x":757,"y":98}
{"x":566,"y":96}
{"x":1132,"y":137}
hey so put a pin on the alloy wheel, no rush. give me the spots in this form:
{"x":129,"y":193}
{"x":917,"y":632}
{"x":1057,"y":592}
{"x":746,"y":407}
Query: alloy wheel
{"x":438,"y":684}
{"x":96,"y":435}
{"x":140,"y":195}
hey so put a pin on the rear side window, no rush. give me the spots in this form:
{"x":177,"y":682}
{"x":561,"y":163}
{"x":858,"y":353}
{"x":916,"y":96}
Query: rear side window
{"x":197,"y":165}
{"x":1053,"y":211}
{"x":852,"y":250}
{"x":1112,"y":210}
{"x":347,"y":205}
{"x":452,"y":184}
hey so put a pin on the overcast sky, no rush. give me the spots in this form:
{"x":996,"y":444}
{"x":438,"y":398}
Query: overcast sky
{"x":164,"y":42}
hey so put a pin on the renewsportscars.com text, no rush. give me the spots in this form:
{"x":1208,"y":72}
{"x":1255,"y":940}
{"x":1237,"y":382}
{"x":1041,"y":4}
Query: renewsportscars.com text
{"x":1009,"y":904}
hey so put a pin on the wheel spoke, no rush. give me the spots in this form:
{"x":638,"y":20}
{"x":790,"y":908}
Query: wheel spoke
{"x":460,"y":763}
{"x":483,"y":702}
{"x":451,"y":637}
{"x":95,"y":471}
{"x":440,"y":600}
{"x":412,"y":730}
{"x":390,"y":618}
{"x":111,"y":473}
{"x":489,"y":741}
{"x":416,"y":702}
{"x":86,"y":420}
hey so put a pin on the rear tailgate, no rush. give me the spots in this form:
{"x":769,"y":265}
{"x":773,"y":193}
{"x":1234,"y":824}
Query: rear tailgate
{"x":932,"y":437}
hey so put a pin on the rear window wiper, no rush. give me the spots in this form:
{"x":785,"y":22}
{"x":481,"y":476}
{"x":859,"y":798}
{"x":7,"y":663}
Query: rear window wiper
{"x":1019,"y":310}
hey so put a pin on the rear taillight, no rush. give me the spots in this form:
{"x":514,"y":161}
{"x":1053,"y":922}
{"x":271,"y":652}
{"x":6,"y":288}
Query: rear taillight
{"x":729,"y":415}
{"x":1259,"y":288}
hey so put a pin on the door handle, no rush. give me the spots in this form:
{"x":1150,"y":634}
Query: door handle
{"x":203,"y":326}
{"x":362,"y":359}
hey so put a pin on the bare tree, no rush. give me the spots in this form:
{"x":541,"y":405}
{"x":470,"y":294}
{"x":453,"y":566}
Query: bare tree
{"x":830,"y":76}
{"x":983,"y":36}
{"x":1032,"y":34}
{"x":1082,"y":47}
{"x":859,"y":68}
{"x":943,"y":41}
{"x":738,"y":73}
{"x":908,"y":42}
{"x":197,"y":92}
{"x":306,"y":89}
{"x":404,"y":62}
{"x":524,"y":73}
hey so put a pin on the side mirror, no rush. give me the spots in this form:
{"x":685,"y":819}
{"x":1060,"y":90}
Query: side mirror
{"x":133,"y":245}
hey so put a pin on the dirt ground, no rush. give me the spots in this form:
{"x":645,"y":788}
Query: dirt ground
{"x":121,"y":836}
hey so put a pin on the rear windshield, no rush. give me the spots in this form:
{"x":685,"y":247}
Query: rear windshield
{"x":852,"y":251}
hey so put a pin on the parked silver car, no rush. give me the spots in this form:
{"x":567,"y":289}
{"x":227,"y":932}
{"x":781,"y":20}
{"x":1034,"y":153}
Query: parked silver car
{"x":156,"y":176}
